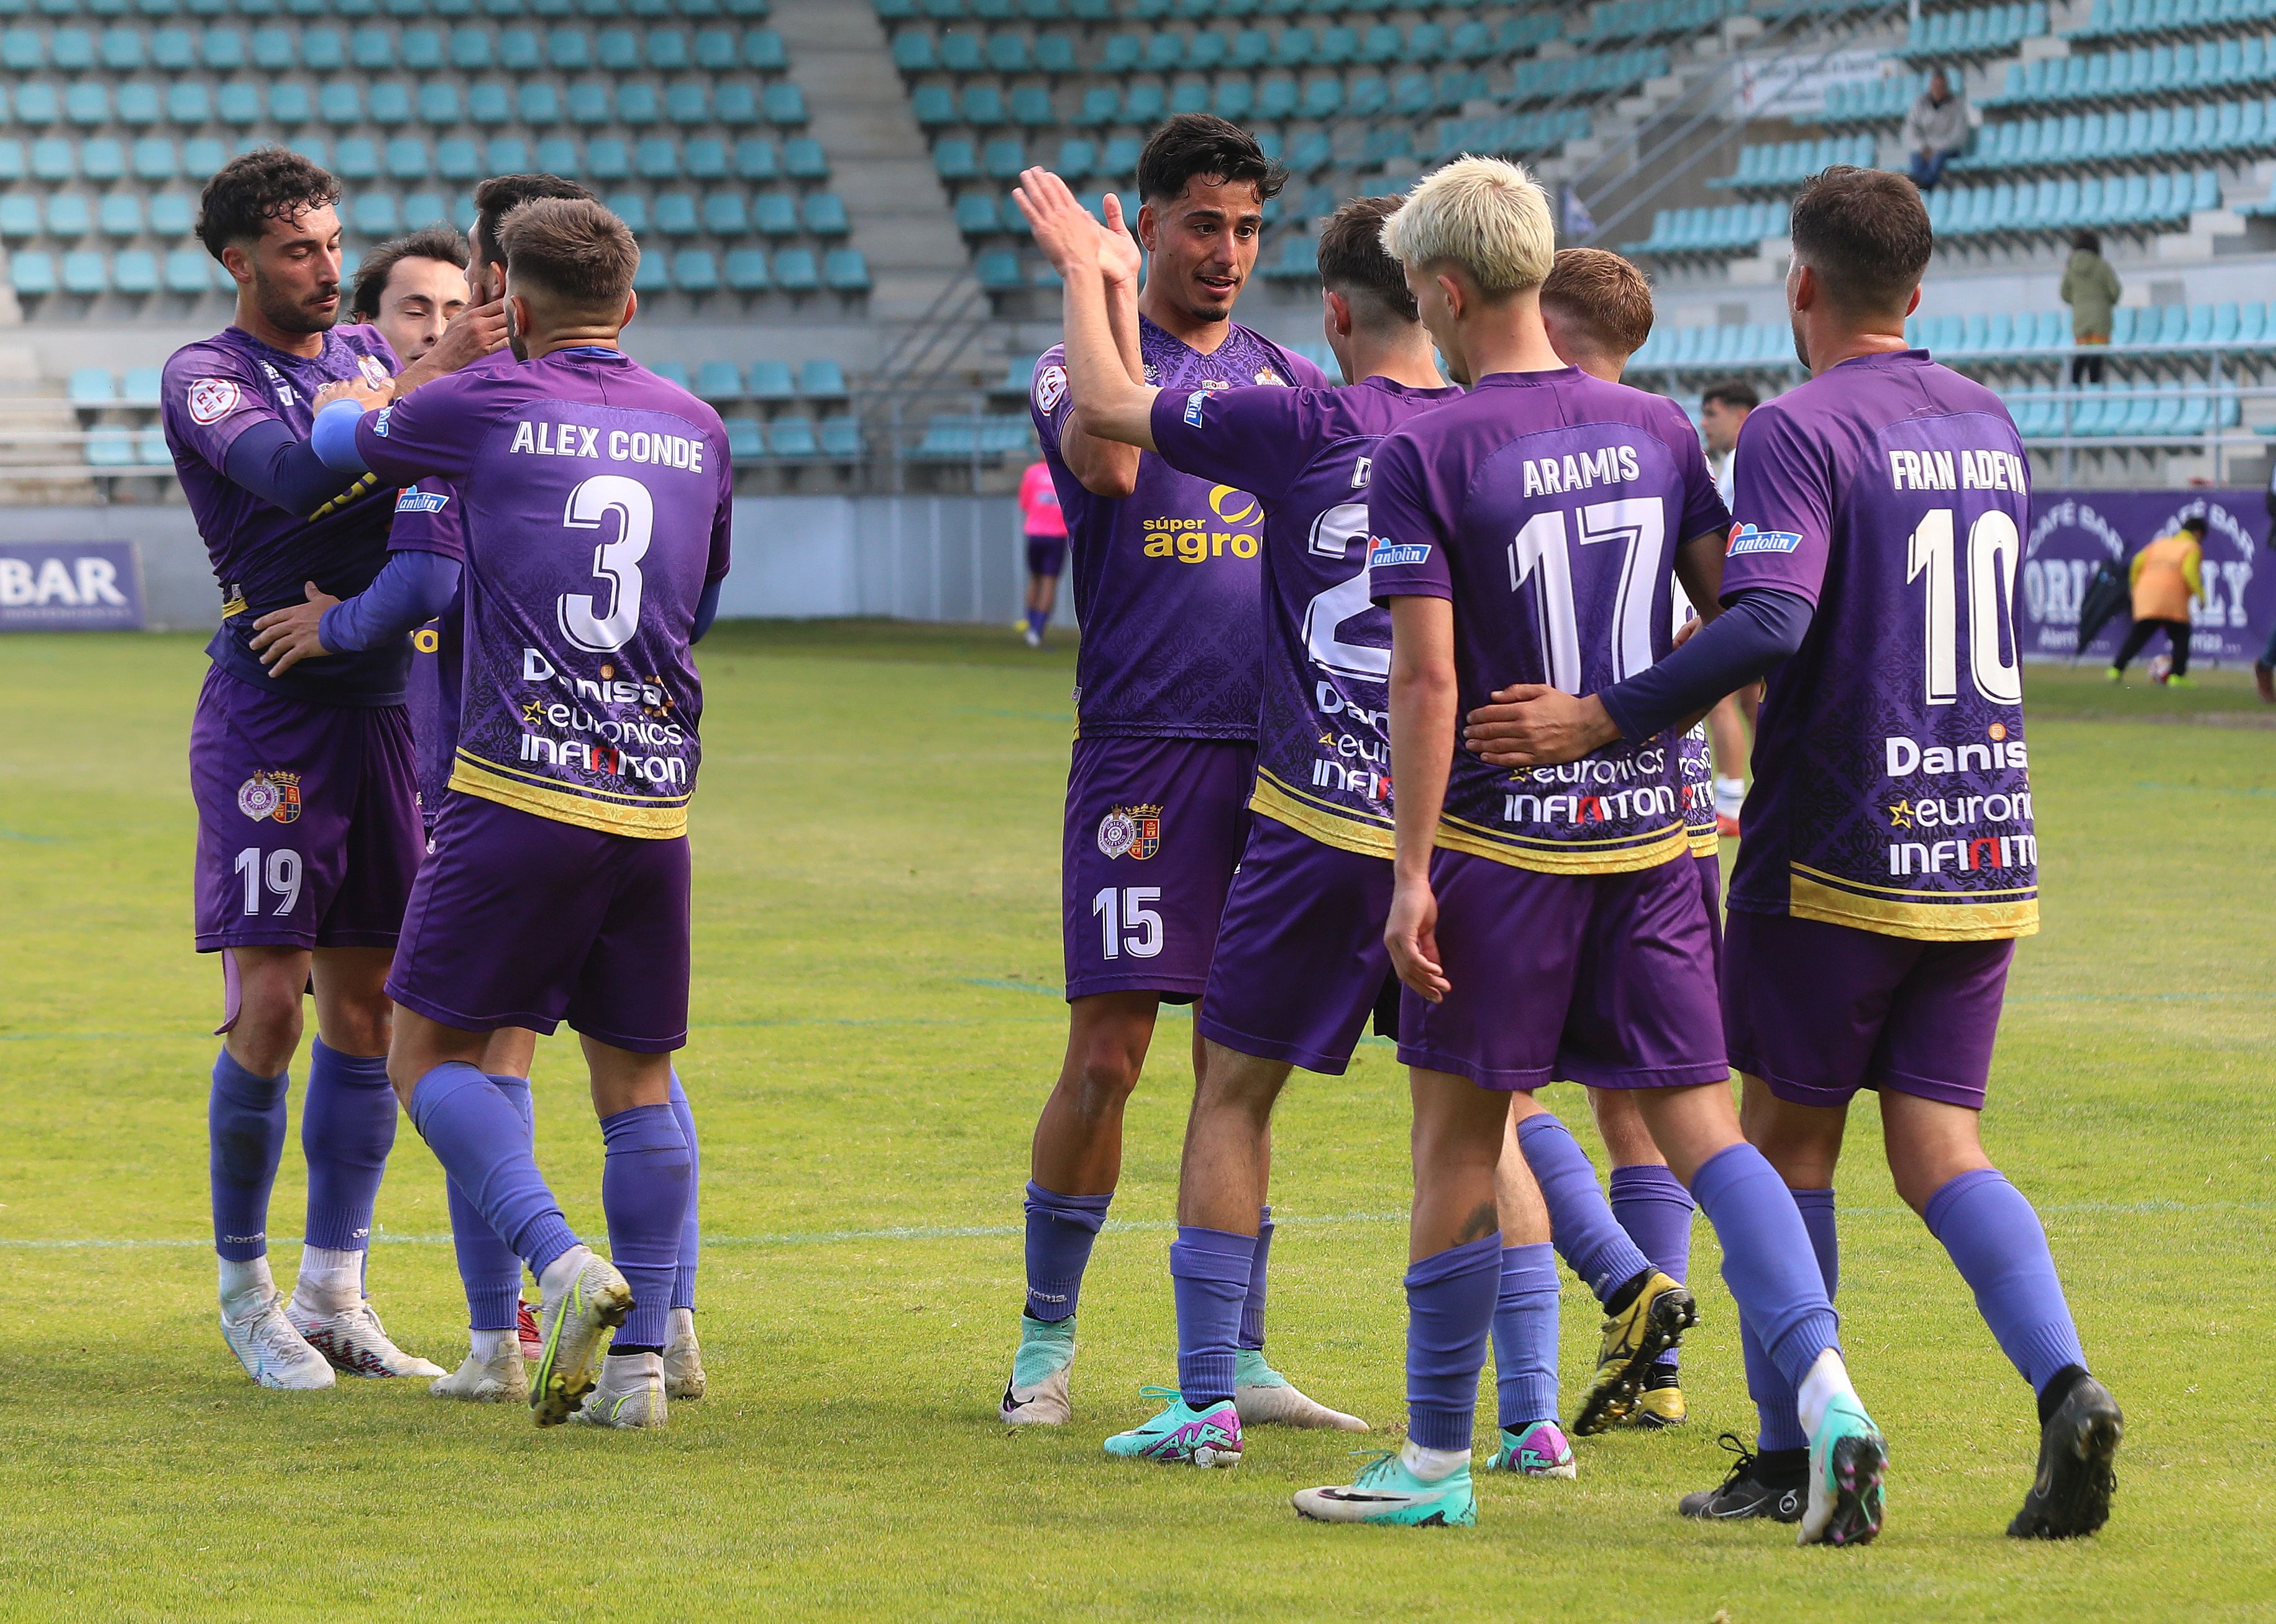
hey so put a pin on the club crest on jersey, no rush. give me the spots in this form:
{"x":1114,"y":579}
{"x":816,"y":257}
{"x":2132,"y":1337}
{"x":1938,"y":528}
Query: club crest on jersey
{"x":374,"y":370}
{"x":271,"y":795}
{"x":1134,"y":832}
{"x":1746,"y":539}
{"x":211,"y":399}
{"x":411,"y":499}
{"x":1051,"y":388}
{"x":1266,"y":375}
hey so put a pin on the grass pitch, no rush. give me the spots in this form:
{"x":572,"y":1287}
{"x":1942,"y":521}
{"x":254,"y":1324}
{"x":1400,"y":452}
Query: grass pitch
{"x":877,"y":1020}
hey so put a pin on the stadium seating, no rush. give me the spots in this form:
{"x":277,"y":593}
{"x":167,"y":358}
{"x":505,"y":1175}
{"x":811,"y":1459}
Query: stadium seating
{"x":2144,"y":74}
{"x":1979,"y":31}
{"x":108,"y":110}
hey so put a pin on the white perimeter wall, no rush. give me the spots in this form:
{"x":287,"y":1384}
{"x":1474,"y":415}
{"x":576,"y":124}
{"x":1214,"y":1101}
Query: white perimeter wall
{"x":954,"y":558}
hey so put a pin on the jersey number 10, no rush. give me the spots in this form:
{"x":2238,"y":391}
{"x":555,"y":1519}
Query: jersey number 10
{"x":1993,"y":546}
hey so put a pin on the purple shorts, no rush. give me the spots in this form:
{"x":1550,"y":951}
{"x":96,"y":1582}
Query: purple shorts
{"x":1046,"y":555}
{"x":1819,"y":1011}
{"x":1154,"y":831}
{"x":1607,"y":980}
{"x":519,"y":921}
{"x":307,"y":819}
{"x":1299,"y":961}
{"x":1711,"y":892}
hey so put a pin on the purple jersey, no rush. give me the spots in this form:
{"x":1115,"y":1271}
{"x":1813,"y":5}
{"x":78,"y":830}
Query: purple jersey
{"x":596,"y":499}
{"x":1166,"y":580}
{"x":262,"y":556}
{"x":1891,"y":790}
{"x":1695,"y":762}
{"x":1548,"y":507}
{"x":1323,"y":754}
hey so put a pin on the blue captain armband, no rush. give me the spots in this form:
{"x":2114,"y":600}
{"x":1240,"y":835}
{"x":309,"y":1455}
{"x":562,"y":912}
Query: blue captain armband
{"x":333,"y":437}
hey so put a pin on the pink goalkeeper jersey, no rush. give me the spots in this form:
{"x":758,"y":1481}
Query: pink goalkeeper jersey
{"x":1039,"y":502}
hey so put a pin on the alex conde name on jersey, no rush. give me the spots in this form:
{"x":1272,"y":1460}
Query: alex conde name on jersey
{"x":545,"y":439}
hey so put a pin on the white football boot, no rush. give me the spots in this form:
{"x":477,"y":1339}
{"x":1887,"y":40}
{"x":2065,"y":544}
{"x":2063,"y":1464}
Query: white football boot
{"x":630,"y":1393}
{"x":355,"y":1342}
{"x":1037,"y":1394}
{"x":499,"y":1380}
{"x":585,"y":1299}
{"x":272,"y":1352}
{"x":683,"y":1358}
{"x":1267,"y":1398}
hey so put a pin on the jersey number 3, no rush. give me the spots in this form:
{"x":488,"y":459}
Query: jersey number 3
{"x":616,"y":562}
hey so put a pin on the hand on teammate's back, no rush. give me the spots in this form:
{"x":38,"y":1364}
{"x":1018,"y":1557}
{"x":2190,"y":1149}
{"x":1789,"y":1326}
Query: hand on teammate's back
{"x":1532,"y":725}
{"x":284,"y":637}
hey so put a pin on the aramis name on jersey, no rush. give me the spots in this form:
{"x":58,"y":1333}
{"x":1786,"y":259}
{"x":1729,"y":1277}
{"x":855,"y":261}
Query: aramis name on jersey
{"x":1191,"y":540}
{"x":1553,"y":476}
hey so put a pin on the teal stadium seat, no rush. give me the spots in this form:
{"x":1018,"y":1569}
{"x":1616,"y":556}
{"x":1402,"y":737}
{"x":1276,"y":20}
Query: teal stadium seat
{"x":846,"y":270}
{"x":822,"y":379}
{"x":797,"y":271}
{"x":747,"y":270}
{"x":772,"y":381}
{"x":135,"y":271}
{"x":726,"y":215}
{"x":695,"y":270}
{"x":746,"y":440}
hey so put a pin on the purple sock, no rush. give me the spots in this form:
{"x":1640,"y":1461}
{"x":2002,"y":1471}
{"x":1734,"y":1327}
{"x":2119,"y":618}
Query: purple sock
{"x":644,"y":1182}
{"x":1581,"y":1223}
{"x":1767,"y":1257}
{"x":1525,"y":1336}
{"x":479,"y":1137}
{"x":347,"y":1127}
{"x":1209,"y":1271}
{"x":1252,"y":1310}
{"x":1774,"y":1396}
{"x":1060,"y":1231}
{"x":691,"y":1228}
{"x":245,"y":1139}
{"x":487,"y":1265}
{"x":1450,"y":1308}
{"x":1997,"y":1243}
{"x":1652,"y":1206}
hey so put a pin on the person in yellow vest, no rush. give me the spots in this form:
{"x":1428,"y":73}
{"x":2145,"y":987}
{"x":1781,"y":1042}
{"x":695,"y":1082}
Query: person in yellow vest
{"x":2167,"y":574}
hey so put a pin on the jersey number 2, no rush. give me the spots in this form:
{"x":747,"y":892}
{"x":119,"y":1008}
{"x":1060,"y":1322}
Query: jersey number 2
{"x":616,"y":562}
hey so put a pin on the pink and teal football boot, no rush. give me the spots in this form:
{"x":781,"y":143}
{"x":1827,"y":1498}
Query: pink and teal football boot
{"x":1537,"y":1451}
{"x":1183,"y":1435}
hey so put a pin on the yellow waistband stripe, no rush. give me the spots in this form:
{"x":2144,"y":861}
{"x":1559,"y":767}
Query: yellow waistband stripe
{"x":472,"y":777}
{"x":1997,"y":916}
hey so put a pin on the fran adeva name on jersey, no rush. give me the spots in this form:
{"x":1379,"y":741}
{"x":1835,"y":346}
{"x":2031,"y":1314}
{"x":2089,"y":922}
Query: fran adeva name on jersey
{"x":1192,"y":541}
{"x":1958,"y":469}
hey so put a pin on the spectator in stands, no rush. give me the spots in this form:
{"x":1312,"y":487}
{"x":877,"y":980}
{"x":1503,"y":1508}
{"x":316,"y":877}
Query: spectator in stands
{"x":2091,"y":288}
{"x":2167,"y":574}
{"x":1047,"y":540}
{"x":1936,"y":131}
{"x":1723,"y":408}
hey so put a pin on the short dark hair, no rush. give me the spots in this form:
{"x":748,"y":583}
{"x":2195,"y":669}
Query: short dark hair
{"x":1607,"y":294}
{"x":501,"y":194}
{"x":2195,"y":524}
{"x":439,"y":241}
{"x":2087,"y":242}
{"x":1865,"y":233}
{"x":574,"y":249}
{"x":1203,"y":144}
{"x":268,"y":183}
{"x":1352,"y":260}
{"x":1731,"y":392}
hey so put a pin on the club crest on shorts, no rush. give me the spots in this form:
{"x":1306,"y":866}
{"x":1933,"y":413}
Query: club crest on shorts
{"x":1134,"y":832}
{"x":271,"y":795}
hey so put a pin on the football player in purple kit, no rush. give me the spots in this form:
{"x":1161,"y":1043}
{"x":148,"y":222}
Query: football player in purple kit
{"x":1299,"y":962}
{"x":307,"y":833}
{"x":1890,"y":860}
{"x":1596,"y":309}
{"x":1166,"y":586}
{"x":1549,"y":923}
{"x":577,"y":755}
